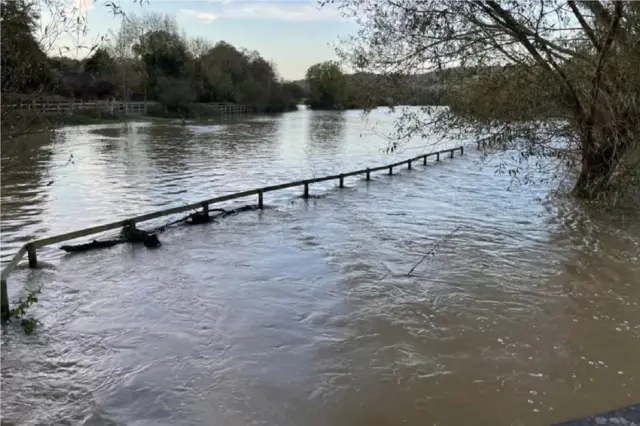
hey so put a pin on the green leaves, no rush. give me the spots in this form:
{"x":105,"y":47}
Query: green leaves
{"x":24,"y":64}
{"x":99,"y":63}
{"x":20,"y":311}
{"x":327,"y":86}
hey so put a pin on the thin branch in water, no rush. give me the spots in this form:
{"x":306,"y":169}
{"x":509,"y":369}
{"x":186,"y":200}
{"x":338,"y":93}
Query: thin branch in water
{"x":433,"y":249}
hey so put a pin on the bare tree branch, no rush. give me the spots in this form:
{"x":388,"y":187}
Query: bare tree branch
{"x":587,"y":28}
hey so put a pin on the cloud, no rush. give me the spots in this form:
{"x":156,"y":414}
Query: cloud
{"x":294,"y":11}
{"x":299,"y":10}
{"x":205,"y":17}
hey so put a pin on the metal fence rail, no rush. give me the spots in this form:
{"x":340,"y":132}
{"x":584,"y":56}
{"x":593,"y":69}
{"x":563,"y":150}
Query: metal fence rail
{"x":31,"y":247}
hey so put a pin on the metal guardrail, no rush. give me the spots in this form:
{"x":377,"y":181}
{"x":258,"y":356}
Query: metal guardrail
{"x":31,"y":247}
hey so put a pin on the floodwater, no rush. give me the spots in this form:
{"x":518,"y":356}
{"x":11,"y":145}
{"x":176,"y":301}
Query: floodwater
{"x":304,"y":313}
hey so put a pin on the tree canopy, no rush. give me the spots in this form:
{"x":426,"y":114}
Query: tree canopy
{"x":100,"y":63}
{"x":327,"y":86}
{"x":148,"y":57}
{"x":156,"y":58}
{"x":24,"y":65}
{"x":572,"y":64}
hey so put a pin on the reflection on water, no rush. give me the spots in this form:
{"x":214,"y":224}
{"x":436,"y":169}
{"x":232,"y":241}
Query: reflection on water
{"x":326,"y":130}
{"x":304,"y":314}
{"x":25,"y":176}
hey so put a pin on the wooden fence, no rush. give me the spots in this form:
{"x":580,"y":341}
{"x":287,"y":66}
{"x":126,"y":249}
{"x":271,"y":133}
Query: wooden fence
{"x":113,"y":107}
{"x":31,"y":247}
{"x":213,"y":109}
{"x":73,"y":107}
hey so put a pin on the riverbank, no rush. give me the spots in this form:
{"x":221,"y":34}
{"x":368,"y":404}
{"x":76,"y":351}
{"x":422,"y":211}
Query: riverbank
{"x":32,"y":123}
{"x":87,"y":119}
{"x":24,"y":121}
{"x":203,"y":110}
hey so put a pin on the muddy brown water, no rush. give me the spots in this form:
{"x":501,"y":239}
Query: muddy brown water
{"x":303,"y":314}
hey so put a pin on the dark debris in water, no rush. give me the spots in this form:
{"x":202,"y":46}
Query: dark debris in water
{"x":149,"y":238}
{"x":198,"y":218}
{"x":95,"y":244}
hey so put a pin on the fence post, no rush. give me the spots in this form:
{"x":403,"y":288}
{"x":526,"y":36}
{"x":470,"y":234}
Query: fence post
{"x":478,"y":145}
{"x":424,"y":160}
{"x":437,"y":156}
{"x":461,"y":150}
{"x":205,"y":209}
{"x":409,"y":164}
{"x":368,"y":174}
{"x":260,"y":205}
{"x":4,"y":300}
{"x":341,"y":181}
{"x":452,"y":151}
{"x":390,"y":170}
{"x":33,"y":259}
{"x":306,"y":190}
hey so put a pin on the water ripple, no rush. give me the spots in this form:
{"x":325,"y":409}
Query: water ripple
{"x":304,"y":313}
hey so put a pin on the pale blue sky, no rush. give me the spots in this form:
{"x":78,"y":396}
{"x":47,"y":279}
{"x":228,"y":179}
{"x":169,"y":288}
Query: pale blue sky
{"x":294,"y":34}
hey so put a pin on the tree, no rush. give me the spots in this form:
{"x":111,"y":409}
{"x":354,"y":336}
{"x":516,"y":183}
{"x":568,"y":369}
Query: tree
{"x":229,"y":60}
{"x":575,"y":61}
{"x":129,"y":70}
{"x":99,"y":63}
{"x":294,"y":91}
{"x":63,"y":64}
{"x":260,"y":83}
{"x":199,"y":46}
{"x":327,"y":86}
{"x":176,"y":94}
{"x":163,"y":53}
{"x":28,"y":75}
{"x":25,"y":68}
{"x":223,"y":73}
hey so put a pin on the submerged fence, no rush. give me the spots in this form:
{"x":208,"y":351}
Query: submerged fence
{"x":31,"y":247}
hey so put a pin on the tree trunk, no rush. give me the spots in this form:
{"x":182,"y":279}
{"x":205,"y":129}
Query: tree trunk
{"x":599,"y":162}
{"x":594,"y":174}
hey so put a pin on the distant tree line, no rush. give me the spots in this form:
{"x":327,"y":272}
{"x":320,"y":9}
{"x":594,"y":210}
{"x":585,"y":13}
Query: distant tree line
{"x":148,"y":58}
{"x":326,"y":86}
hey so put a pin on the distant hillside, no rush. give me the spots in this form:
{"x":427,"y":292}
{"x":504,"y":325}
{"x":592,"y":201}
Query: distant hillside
{"x":421,"y":89}
{"x":433,"y":78}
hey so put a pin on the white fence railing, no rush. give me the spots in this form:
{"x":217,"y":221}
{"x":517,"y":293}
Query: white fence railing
{"x":115,"y":107}
{"x":70,"y":107}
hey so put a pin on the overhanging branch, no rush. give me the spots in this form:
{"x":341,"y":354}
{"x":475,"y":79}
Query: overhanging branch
{"x":585,"y":25}
{"x":521,"y":34}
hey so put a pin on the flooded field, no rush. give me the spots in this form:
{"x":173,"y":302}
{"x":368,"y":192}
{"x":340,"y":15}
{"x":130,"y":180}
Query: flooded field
{"x":304,"y":313}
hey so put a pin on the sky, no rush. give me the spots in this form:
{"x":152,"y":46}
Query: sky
{"x":294,"y":34}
